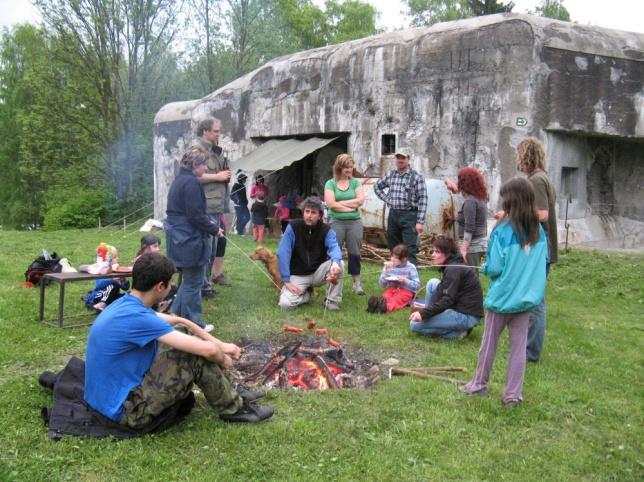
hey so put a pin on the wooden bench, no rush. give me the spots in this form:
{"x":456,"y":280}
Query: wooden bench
{"x":62,"y":279}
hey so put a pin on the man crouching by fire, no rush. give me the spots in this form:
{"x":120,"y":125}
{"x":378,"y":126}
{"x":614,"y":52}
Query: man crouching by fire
{"x":138,"y":364}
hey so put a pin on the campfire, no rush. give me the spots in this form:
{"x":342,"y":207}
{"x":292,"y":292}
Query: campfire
{"x":304,"y":367}
{"x":305,"y":363}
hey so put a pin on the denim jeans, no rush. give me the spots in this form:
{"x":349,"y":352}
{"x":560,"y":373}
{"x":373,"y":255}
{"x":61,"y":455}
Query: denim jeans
{"x":449,"y":324}
{"x":187,"y":303}
{"x":537,"y":328}
{"x":243,"y":216}
{"x":218,"y":250}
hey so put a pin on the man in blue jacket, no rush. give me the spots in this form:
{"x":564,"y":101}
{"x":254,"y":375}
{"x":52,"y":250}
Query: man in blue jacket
{"x":309,"y":256}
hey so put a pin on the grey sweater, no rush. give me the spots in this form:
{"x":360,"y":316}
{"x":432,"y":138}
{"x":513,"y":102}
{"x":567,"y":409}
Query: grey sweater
{"x":472,"y":219}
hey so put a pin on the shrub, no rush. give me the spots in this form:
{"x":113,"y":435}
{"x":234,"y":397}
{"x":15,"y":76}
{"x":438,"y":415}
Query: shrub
{"x":75,"y":209}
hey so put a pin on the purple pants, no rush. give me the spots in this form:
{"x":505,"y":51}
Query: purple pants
{"x":517,"y":324}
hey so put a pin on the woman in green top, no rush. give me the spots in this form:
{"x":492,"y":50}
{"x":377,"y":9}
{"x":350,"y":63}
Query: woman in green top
{"x":343,"y":196}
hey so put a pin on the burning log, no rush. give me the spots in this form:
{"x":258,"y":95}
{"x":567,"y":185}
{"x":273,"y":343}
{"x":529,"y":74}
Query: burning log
{"x":286,"y":356}
{"x":327,"y":371}
{"x":403,"y":371}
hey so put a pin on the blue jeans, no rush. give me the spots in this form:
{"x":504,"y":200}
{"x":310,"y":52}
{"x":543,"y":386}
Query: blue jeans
{"x":218,"y":251}
{"x":187,"y":303}
{"x":449,"y":324}
{"x":243,"y":216}
{"x":537,"y":328}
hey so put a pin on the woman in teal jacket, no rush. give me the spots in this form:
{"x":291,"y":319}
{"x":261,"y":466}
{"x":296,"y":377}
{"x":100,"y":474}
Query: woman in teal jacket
{"x":516,"y":264}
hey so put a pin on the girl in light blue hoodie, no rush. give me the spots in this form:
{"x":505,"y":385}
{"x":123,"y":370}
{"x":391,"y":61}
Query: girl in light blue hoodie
{"x":516,"y":264}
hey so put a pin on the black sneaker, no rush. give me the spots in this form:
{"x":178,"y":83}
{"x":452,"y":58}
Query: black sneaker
{"x":250,"y":412}
{"x":250,"y":396}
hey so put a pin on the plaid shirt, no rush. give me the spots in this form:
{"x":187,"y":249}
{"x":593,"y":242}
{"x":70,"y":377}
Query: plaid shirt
{"x":406,"y":191}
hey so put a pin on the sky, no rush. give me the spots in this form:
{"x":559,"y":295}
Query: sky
{"x":618,"y":14}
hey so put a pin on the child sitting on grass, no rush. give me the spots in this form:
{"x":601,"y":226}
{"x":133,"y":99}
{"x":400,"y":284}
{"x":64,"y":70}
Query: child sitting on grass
{"x":400,"y":278}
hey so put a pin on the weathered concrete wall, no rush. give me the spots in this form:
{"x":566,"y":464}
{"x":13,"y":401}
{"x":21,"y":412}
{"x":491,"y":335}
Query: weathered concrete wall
{"x":459,"y":93}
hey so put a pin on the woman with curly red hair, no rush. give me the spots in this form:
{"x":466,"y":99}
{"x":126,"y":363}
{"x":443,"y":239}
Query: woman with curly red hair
{"x":472,"y":217}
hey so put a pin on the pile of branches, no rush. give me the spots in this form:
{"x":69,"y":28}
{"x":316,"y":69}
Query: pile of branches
{"x":375,"y":254}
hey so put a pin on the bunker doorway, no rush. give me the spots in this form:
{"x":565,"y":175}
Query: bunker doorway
{"x":294,"y":165}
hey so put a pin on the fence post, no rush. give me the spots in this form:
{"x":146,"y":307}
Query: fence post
{"x":568,"y":201}
{"x":124,"y":225}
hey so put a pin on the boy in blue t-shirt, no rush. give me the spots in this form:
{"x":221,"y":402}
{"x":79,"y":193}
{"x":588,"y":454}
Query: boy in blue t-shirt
{"x":131,"y":379}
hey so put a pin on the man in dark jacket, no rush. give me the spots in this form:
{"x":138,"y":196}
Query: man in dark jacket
{"x":454,"y":304}
{"x":309,"y":256}
{"x":188,"y":229}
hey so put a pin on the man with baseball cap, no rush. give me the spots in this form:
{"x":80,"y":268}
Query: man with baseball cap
{"x":404,"y":191}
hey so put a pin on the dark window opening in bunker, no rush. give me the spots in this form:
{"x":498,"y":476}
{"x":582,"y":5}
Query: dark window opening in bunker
{"x":569,"y":182}
{"x":388,"y":144}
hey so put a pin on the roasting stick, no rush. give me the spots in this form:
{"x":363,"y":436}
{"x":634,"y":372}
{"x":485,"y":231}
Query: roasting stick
{"x":405,"y":371}
{"x":442,"y":369}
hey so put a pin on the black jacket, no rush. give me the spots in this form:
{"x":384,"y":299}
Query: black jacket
{"x":459,"y":290}
{"x":187,"y":198}
{"x":309,"y":251}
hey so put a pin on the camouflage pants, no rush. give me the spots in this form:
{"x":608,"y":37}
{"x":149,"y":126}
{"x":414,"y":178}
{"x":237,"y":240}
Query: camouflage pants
{"x":170,"y":379}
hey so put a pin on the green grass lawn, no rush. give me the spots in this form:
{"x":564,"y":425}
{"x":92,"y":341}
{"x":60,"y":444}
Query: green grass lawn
{"x":581,"y":418}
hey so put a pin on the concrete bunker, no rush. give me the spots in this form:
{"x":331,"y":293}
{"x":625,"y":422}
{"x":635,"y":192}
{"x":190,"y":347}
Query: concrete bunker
{"x":459,"y":93}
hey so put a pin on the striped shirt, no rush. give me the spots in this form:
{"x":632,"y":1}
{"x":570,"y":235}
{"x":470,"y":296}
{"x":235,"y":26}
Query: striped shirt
{"x":407,"y":191}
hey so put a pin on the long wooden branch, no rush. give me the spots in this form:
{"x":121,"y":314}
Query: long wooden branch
{"x":404,"y":371}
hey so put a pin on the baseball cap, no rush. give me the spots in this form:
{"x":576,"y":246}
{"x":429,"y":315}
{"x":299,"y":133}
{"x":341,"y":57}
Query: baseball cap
{"x":403,"y":151}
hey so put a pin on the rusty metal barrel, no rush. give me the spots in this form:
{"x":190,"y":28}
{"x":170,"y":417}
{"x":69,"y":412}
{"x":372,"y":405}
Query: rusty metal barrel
{"x":439,"y":218}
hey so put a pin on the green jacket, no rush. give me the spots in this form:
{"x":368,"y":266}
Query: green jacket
{"x":217,"y":192}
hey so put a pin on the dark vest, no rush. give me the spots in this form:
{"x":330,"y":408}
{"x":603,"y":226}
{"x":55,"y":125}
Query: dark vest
{"x":309,"y":251}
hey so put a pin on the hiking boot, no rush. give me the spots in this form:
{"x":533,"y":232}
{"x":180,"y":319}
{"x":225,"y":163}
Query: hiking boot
{"x":221,"y":280}
{"x":249,"y":412}
{"x":511,"y":403}
{"x":250,"y":396}
{"x":357,"y":288}
{"x":377,"y":304}
{"x":332,"y":305}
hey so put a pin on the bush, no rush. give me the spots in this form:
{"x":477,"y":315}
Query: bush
{"x":75,"y":209}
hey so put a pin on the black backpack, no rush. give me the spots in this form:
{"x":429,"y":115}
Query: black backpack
{"x":41,"y":266}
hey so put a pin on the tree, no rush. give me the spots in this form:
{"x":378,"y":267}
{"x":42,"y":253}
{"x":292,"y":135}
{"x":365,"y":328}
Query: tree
{"x":307,"y":23}
{"x":429,"y":12}
{"x":349,"y":20}
{"x":207,"y":14}
{"x":117,"y":44}
{"x":478,"y":8}
{"x":45,"y":132}
{"x":552,"y":9}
